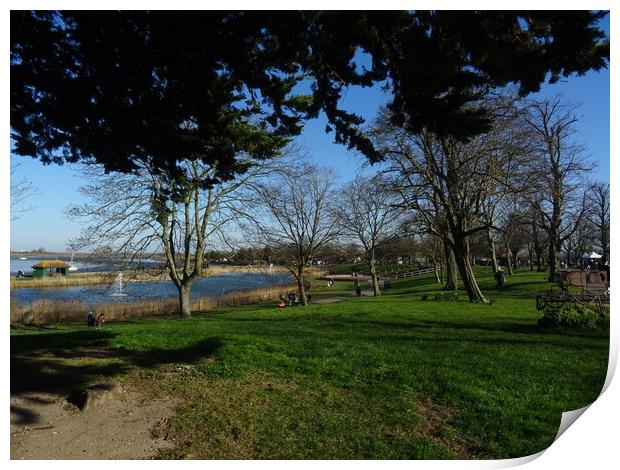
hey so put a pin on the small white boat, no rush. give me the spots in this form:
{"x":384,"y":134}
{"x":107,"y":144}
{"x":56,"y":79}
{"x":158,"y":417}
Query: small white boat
{"x":22,"y":257}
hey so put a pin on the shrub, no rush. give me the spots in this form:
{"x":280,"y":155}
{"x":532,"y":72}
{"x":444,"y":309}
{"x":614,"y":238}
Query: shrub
{"x":575,"y":316}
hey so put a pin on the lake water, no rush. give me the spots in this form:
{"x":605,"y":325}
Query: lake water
{"x":207,"y":286}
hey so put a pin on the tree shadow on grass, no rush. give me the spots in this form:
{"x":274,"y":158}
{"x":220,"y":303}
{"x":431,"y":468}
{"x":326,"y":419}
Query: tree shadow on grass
{"x":498,"y":330}
{"x":494,"y":333}
{"x":516,"y":327}
{"x":489,"y":341}
{"x":59,"y":364}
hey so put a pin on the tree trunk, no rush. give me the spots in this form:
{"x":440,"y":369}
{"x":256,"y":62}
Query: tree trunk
{"x":540,"y":267}
{"x":303,"y":300}
{"x":555,"y":241}
{"x":538,"y":252}
{"x":375,"y":278}
{"x":555,"y":245}
{"x":185,"y":307}
{"x":538,"y":249}
{"x":436,"y":272}
{"x":461,"y":255}
{"x":451,"y":282}
{"x":492,"y":250}
{"x":509,"y":261}
{"x":604,"y":246}
{"x":375,"y":285}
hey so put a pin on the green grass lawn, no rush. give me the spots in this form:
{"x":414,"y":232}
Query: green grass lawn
{"x":393,"y":377}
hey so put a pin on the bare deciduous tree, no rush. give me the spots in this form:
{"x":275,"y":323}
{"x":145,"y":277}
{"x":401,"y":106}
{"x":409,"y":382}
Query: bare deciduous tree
{"x":579,"y":241}
{"x":297,"y":217}
{"x":432,"y":248}
{"x":419,"y":226}
{"x":537,"y":239}
{"x":457,"y":176}
{"x":513,"y":234}
{"x":135,"y":215}
{"x":368,"y":213}
{"x":560,"y":166}
{"x":21,"y":191}
{"x":597,"y":198}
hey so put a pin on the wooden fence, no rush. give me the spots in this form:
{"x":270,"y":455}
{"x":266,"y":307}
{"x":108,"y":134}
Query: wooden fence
{"x":395,"y":276}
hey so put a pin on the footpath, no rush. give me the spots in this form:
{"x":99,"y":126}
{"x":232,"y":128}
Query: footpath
{"x":340,"y":298}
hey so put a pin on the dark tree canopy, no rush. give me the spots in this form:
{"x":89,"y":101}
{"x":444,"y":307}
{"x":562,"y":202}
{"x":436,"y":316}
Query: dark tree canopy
{"x":442,"y":62}
{"x":117,"y":87}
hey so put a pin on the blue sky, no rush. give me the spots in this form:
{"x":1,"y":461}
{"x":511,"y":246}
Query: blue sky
{"x":46,"y":226}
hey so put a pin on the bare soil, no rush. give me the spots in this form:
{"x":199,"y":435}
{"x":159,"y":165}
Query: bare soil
{"x":46,"y":426}
{"x":435,"y":420}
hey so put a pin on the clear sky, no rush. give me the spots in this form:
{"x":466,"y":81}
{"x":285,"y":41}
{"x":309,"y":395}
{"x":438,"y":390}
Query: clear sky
{"x":46,"y":226}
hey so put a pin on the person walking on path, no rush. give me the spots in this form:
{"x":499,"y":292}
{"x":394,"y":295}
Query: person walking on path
{"x":358,"y":289}
{"x":500,"y":278}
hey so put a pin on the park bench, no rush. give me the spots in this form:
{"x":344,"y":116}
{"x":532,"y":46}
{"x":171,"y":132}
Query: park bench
{"x":552,"y":302}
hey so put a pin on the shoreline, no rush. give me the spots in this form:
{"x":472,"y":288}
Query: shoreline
{"x":47,"y":312}
{"x":108,"y":277}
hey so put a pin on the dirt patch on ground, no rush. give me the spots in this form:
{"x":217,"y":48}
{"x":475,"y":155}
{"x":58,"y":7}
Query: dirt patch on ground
{"x":435,"y":420}
{"x":46,"y":426}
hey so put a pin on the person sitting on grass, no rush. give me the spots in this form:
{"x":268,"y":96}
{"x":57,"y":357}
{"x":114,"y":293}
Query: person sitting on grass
{"x":282,"y":302}
{"x":100,"y":321}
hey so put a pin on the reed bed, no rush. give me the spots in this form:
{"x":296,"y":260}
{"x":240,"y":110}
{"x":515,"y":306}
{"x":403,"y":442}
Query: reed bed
{"x":84,"y":279}
{"x":46,"y":312}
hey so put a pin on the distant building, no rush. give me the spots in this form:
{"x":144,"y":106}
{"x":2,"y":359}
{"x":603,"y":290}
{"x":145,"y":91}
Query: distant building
{"x":50,"y":268}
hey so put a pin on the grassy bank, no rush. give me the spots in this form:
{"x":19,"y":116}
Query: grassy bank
{"x":394,"y":377}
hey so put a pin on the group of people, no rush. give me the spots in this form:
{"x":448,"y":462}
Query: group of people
{"x":95,"y":320}
{"x":293,"y":300}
